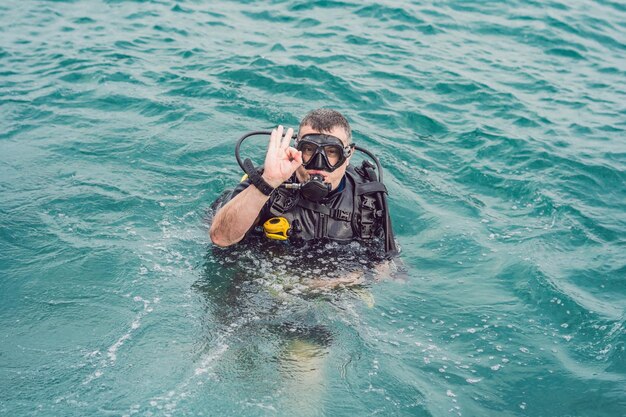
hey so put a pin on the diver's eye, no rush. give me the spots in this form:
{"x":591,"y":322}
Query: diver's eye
{"x":332,"y":153}
{"x":308,"y":150}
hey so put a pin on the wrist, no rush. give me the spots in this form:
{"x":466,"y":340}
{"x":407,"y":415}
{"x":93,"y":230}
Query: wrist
{"x":274,"y":182}
{"x":256,"y":179}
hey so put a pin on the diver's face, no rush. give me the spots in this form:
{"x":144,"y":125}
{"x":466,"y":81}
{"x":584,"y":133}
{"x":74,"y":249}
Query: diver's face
{"x":333,"y":178}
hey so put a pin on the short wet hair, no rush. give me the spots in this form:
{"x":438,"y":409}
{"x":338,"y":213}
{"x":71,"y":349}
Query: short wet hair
{"x":324,"y":120}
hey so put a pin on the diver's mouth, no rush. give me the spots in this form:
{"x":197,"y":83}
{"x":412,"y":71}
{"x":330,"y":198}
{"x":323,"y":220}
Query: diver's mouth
{"x":323,"y":174}
{"x":306,"y":174}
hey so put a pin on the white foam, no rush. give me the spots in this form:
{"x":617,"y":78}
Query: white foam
{"x":112,"y":351}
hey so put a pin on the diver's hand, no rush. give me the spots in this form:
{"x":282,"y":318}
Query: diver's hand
{"x":281,"y":159}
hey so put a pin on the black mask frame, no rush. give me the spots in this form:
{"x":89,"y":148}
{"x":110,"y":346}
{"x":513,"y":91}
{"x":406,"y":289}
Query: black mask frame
{"x":323,"y":144}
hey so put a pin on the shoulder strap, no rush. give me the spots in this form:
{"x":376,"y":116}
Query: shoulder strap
{"x":373,"y":207}
{"x":370,"y":188}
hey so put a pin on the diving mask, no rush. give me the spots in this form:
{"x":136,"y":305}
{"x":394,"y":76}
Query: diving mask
{"x":323,"y":152}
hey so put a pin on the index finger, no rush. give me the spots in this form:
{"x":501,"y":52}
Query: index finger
{"x":275,"y":137}
{"x":287,"y":139}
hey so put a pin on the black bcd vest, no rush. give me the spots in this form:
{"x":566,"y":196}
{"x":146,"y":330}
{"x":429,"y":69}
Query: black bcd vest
{"x":353,"y":212}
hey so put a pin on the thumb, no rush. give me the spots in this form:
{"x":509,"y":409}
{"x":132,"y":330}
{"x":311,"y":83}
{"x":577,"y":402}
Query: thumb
{"x":295,"y":157}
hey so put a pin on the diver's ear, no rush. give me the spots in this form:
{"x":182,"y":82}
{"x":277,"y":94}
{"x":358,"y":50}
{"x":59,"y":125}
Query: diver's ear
{"x":350,"y":151}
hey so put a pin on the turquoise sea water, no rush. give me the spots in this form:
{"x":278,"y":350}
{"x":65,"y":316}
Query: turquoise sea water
{"x":501,"y":126}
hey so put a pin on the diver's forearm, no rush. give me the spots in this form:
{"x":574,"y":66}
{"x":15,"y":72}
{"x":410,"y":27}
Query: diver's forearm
{"x":237,"y":217}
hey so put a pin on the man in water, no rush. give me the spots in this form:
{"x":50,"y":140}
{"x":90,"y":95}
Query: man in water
{"x":306,"y":193}
{"x":310,"y":189}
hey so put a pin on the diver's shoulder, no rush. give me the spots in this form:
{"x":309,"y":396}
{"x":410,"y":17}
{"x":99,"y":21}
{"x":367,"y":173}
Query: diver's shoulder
{"x":355,"y":175}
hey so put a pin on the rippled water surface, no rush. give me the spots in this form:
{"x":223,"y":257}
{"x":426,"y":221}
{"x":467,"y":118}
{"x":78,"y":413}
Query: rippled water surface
{"x":501,"y":127}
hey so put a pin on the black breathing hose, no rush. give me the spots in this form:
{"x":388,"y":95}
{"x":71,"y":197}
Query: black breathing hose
{"x":246,"y":136}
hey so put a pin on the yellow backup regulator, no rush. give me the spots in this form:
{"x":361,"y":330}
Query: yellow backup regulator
{"x":277,"y":228}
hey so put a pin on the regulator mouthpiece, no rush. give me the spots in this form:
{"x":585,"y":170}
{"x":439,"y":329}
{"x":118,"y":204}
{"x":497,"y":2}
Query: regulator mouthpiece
{"x":315,"y":189}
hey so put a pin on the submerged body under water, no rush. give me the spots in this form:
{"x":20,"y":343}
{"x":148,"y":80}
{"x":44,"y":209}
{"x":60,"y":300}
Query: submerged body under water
{"x":501,"y":131}
{"x":273,"y":301}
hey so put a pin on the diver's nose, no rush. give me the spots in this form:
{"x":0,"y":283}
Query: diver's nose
{"x":316,"y":162}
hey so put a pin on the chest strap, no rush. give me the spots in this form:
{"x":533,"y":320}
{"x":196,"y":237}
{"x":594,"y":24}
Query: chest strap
{"x":336,"y":214}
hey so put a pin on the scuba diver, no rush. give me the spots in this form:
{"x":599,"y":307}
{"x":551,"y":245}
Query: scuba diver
{"x":308,"y":192}
{"x":306,"y":222}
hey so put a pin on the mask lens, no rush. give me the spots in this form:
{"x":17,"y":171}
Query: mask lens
{"x":321,"y":155}
{"x":308,"y":150}
{"x":333,"y":154}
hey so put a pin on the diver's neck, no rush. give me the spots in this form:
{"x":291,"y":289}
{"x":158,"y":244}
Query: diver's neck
{"x":339,"y":188}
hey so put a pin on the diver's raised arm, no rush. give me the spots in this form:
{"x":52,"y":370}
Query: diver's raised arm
{"x":232,"y":221}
